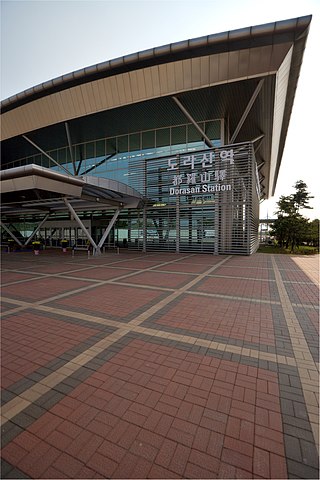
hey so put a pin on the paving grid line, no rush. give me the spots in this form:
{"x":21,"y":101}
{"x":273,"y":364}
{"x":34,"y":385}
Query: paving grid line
{"x":216,"y":345}
{"x":234,"y":297}
{"x":313,"y":274}
{"x":18,"y":404}
{"x":44,"y":262}
{"x":12,"y":429}
{"x":96,"y":283}
{"x":164,"y":338}
{"x":24,"y":304}
{"x":49,"y":275}
{"x":67,"y":275}
{"x":307,"y":368}
{"x":87,"y":279}
{"x":31,"y":378}
{"x":255,"y":279}
{"x":114,"y":280}
{"x":219,"y":345}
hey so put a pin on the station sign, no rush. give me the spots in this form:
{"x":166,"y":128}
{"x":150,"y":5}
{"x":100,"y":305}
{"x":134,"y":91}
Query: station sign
{"x":196,"y":173}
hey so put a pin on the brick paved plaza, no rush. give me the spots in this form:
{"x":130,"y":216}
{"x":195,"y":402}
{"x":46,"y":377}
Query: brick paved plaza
{"x":159,"y":366}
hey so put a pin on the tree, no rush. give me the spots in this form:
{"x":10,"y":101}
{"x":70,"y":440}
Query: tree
{"x":291,"y":228}
{"x":301,"y":197}
{"x":292,"y":204}
{"x":312,"y":234}
{"x":286,"y":206}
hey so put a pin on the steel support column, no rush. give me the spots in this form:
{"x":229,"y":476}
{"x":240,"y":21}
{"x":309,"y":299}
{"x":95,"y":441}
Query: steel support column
{"x":206,"y":139}
{"x":144,"y":229}
{"x":81,"y":225}
{"x":10,"y":233}
{"x":247,"y":110}
{"x":37,"y":229}
{"x":46,"y":154}
{"x":108,"y":229}
{"x":178,"y":224}
{"x":70,"y":148}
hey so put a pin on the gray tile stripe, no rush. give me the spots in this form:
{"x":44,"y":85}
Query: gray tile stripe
{"x":95,"y":281}
{"x":307,"y":368}
{"x":18,"y":404}
{"x":35,"y":376}
{"x":206,"y":347}
{"x":49,"y":397}
{"x":232,"y":297}
{"x":265,"y":356}
{"x":46,"y":401}
{"x":233,"y":277}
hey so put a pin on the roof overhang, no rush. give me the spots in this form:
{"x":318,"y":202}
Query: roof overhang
{"x":33,"y":189}
{"x":213,"y":77}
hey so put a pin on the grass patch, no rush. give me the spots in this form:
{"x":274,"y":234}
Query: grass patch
{"x":274,"y":249}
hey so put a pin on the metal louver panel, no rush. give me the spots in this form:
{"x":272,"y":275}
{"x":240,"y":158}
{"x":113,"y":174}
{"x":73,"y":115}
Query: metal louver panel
{"x":207,"y":201}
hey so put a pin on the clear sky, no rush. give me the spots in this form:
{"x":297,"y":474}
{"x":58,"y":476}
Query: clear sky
{"x":41,"y":40}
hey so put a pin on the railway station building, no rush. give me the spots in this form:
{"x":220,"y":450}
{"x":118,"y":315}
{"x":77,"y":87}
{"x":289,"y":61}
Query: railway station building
{"x":170,"y":149}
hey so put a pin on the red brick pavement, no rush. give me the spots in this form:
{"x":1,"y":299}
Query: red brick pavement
{"x":112,"y":300}
{"x":159,"y":279}
{"x":223,"y":317}
{"x":250,"y":288}
{"x":39,"y":289}
{"x":30,"y":341}
{"x":102,"y":273}
{"x":7,"y":277}
{"x":155,"y":399}
{"x":248,"y":272}
{"x":181,"y":411}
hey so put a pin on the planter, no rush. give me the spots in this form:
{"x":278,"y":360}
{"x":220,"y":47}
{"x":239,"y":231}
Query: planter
{"x":64,"y":245}
{"x":36,"y":247}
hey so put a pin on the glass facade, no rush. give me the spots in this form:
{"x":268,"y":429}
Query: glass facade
{"x":195,"y":200}
{"x":116,"y":157}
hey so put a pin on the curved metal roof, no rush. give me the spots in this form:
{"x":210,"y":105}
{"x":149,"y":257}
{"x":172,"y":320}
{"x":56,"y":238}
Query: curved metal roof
{"x":285,"y":30}
{"x":36,"y":189}
{"x":213,"y":76}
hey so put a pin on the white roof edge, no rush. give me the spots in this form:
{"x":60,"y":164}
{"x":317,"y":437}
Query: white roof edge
{"x":218,"y":38}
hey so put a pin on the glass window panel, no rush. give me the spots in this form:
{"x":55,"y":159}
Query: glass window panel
{"x":178,"y":135}
{"x":36,"y":159}
{"x":45,"y":162}
{"x":163,"y":137}
{"x":212,"y":129}
{"x":79,"y":152}
{"x":122,"y":143}
{"x":193,"y":134}
{"x":90,"y":150}
{"x":68,"y":156}
{"x":54,"y":155}
{"x":100,"y":148}
{"x":134,"y":142}
{"x":62,"y":157}
{"x":110,"y":146}
{"x":148,"y":139}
